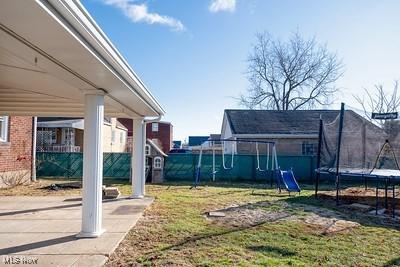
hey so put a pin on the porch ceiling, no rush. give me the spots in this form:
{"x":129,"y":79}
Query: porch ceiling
{"x":51,"y":54}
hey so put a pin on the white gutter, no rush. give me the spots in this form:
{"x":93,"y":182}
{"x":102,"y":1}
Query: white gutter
{"x":157,"y":119}
{"x":78,"y":18}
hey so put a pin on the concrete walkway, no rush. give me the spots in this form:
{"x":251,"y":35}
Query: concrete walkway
{"x":41,"y":231}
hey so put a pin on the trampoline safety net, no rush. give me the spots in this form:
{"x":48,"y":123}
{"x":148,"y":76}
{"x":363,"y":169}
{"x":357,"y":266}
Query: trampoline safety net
{"x":365,"y":145}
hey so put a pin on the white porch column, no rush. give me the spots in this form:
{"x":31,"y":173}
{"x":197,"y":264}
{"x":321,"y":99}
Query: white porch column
{"x":92,"y":165}
{"x":138,"y":158}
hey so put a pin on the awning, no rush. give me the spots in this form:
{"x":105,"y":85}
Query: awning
{"x":52,"y":52}
{"x":76,"y":124}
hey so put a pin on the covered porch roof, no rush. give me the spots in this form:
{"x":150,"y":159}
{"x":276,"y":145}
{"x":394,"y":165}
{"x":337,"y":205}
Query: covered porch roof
{"x":52,"y":53}
{"x":56,"y":61}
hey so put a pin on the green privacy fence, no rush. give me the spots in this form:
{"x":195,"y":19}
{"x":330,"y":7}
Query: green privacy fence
{"x":115,"y":165}
{"x":178,"y":167}
{"x":182,"y":167}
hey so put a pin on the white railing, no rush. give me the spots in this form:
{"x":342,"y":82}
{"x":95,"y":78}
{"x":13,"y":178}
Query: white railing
{"x":58,"y":148}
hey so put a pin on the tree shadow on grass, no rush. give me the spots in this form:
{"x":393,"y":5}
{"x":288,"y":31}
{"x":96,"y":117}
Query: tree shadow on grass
{"x":392,"y":263}
{"x":205,"y":236}
{"x":273,"y":251}
{"x":242,"y":185}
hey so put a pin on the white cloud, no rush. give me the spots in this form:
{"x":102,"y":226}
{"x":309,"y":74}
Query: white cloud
{"x":140,"y":13}
{"x":222,"y":5}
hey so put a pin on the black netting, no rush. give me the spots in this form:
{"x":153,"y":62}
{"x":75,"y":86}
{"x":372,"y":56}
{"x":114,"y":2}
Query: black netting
{"x":366,"y":145}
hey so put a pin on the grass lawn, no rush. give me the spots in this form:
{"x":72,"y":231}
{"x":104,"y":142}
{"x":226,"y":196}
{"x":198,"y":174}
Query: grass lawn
{"x":175,"y":232}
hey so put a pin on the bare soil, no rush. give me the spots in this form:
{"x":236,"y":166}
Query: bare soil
{"x":248,"y":215}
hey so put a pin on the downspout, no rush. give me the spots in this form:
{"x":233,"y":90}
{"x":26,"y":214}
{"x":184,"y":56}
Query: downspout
{"x":33,"y":163}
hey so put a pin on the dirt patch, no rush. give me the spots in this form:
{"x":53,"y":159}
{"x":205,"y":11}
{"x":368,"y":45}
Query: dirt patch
{"x":322,"y":221}
{"x":249,"y":214}
{"x":329,"y":225}
{"x":360,"y":195}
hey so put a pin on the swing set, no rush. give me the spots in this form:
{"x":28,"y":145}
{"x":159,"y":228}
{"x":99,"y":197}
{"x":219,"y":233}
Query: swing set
{"x":229,"y":148}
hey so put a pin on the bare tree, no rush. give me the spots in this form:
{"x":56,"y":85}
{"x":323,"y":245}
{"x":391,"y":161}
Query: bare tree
{"x":379,"y":100}
{"x":297,"y":74}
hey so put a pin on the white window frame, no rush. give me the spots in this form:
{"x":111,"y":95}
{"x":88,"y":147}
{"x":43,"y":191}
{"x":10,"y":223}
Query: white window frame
{"x":154,"y":127}
{"x":157,"y":164}
{"x":147,"y":150}
{"x":121,"y":137}
{"x":4,"y":129}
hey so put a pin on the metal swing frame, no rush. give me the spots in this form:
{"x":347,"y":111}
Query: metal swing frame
{"x":272,"y":154}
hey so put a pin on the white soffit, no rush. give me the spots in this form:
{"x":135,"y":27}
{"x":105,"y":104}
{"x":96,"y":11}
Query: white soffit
{"x":51,"y":51}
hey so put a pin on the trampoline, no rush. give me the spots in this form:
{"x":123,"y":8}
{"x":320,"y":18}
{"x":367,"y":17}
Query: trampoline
{"x":353,"y":148}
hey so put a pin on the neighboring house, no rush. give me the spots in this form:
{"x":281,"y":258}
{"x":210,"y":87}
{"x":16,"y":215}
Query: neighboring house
{"x":197,"y":140}
{"x":215,"y":137}
{"x":161,"y":131}
{"x":177,"y":144}
{"x":15,"y":148}
{"x":211,"y":145}
{"x":294,"y":131}
{"x":66,"y":135}
{"x":155,"y":161}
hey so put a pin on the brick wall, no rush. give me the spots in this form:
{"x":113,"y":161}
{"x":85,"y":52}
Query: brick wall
{"x":164,"y":135}
{"x":16,"y":154}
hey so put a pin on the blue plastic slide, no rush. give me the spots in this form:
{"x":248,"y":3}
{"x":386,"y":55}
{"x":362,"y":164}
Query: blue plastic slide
{"x":290,"y":181}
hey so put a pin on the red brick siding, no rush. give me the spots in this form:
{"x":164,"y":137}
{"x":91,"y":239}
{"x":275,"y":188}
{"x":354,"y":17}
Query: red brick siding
{"x":164,"y":134}
{"x":19,"y":145}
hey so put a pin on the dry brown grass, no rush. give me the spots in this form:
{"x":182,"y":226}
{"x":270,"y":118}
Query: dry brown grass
{"x":37,"y":189}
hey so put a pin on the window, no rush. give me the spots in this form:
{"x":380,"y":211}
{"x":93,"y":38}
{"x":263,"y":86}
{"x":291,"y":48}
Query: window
{"x":309,"y":149}
{"x":147,"y":150}
{"x":3,"y":129}
{"x":113,"y":136}
{"x":121,"y":137}
{"x":154,"y":127}
{"x":157,"y":163}
{"x":68,"y":136}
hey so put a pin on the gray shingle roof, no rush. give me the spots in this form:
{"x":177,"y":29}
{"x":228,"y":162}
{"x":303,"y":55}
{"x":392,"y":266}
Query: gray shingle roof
{"x":277,"y":122}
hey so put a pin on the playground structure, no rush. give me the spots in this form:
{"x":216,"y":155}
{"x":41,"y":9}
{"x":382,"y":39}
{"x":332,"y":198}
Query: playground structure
{"x":355,"y":149}
{"x":264,"y":152}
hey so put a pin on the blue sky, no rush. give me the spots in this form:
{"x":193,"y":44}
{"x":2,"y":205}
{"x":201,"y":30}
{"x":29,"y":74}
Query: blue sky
{"x":192,"y":53}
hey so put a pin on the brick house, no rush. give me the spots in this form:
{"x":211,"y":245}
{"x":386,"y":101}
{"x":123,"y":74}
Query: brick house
{"x":160,"y":132}
{"x":295,"y":132}
{"x":15,"y":148}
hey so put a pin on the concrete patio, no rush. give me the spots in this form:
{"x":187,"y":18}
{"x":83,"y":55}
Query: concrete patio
{"x":42,"y":230}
